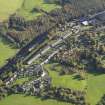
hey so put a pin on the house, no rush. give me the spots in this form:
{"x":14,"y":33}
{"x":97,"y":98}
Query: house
{"x":84,"y":21}
{"x":34,"y":70}
{"x":46,"y":80}
{"x":37,"y":84}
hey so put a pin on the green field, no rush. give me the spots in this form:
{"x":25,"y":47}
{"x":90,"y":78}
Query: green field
{"x":67,"y":81}
{"x":6,"y":51}
{"x":8,"y":7}
{"x":23,"y":8}
{"x":28,"y":5}
{"x":96,"y":88}
{"x":22,"y":100}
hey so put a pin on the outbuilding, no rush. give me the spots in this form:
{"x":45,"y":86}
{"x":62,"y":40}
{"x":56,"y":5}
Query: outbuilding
{"x":84,"y":21}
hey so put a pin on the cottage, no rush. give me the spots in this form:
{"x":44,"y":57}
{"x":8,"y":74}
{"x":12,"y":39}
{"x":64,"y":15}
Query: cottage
{"x":33,"y":70}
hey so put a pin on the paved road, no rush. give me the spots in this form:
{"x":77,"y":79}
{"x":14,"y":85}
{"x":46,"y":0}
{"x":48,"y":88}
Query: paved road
{"x":96,"y":14}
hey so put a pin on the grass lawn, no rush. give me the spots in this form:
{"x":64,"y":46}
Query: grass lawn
{"x":6,"y":51}
{"x":8,"y":7}
{"x":22,"y":100}
{"x":67,"y":81}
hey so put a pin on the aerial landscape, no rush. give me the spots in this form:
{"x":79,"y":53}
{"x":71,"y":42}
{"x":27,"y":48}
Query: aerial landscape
{"x":52,"y":52}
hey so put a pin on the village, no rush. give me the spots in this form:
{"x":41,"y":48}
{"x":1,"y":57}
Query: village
{"x":76,"y":45}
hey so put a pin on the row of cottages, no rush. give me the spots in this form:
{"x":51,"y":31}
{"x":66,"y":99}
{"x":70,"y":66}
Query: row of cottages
{"x":33,"y":70}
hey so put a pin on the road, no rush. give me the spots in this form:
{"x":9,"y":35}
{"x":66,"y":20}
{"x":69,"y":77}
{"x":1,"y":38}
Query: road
{"x":96,"y":14}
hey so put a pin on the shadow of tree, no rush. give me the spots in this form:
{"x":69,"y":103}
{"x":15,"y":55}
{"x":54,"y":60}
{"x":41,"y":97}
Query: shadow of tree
{"x":77,"y":77}
{"x":7,"y":42}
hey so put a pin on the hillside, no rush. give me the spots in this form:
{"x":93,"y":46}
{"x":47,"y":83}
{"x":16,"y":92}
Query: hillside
{"x":52,"y":52}
{"x":8,"y":7}
{"x":23,"y":8}
{"x":27,"y":8}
